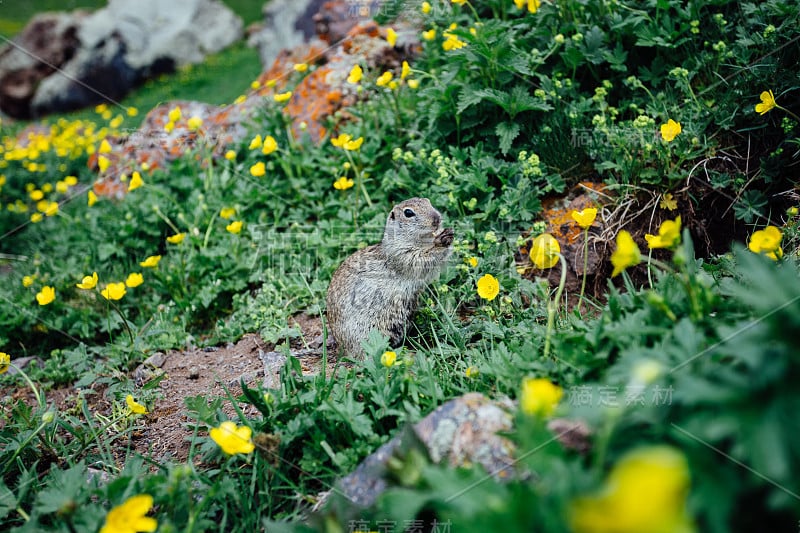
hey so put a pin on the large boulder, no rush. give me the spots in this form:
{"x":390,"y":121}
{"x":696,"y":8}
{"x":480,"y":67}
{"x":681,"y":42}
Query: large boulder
{"x":62,"y":62}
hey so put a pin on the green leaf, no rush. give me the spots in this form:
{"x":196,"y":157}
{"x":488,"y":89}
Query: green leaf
{"x":506,"y":133}
{"x":7,"y":500}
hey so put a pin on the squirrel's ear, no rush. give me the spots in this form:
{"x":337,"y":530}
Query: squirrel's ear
{"x":392,"y":215}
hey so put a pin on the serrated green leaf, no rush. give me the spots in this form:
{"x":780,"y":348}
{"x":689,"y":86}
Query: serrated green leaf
{"x":506,"y":133}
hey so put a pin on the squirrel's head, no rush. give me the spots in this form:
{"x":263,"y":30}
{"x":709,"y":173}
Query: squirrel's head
{"x":413,"y":223}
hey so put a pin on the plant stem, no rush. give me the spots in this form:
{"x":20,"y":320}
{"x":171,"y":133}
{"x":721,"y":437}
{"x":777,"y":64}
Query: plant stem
{"x":585,"y":265}
{"x":552,"y":306}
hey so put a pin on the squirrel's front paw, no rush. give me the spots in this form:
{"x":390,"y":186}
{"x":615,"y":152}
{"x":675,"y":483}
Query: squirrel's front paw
{"x":445,"y":237}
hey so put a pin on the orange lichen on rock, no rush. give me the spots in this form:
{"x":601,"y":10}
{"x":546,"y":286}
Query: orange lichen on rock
{"x":557,"y":212}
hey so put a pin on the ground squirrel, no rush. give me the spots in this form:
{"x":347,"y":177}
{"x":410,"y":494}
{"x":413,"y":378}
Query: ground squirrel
{"x":377,"y":287}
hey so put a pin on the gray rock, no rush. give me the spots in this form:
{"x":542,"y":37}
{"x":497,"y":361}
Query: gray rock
{"x":287,"y":23}
{"x":273,"y":362}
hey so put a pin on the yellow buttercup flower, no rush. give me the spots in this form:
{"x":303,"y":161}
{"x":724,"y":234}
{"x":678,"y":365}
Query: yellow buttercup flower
{"x":585,"y":218}
{"x":488,"y":287}
{"x":258,"y":170}
{"x":130,"y":516}
{"x":429,"y":35}
{"x":151,"y":262}
{"x":391,"y":36}
{"x":767,"y":103}
{"x":539,"y":397}
{"x":452,"y":42}
{"x":89,"y":282}
{"x":472,"y":261}
{"x":232,"y":438}
{"x":426,"y":7}
{"x":413,"y":84}
{"x":388,"y":359}
{"x":234,"y":227}
{"x":51,"y":209}
{"x":459,"y":2}
{"x":61,"y":186}
{"x":384,"y":79}
{"x":270,"y":145}
{"x":136,"y":408}
{"x":255,"y":143}
{"x":300,"y":67}
{"x":282,"y":97}
{"x":105,"y":147}
{"x":169,"y":126}
{"x":114,"y":291}
{"x":627,"y":253}
{"x":645,"y":492}
{"x":405,"y":70}
{"x":136,"y":181}
{"x":174,"y":114}
{"x":669,"y":235}
{"x":132,"y":111}
{"x":133,"y":280}
{"x":5,"y":362}
{"x":545,"y":251}
{"x":71,"y":181}
{"x":36,"y":217}
{"x":177,"y":238}
{"x":471,"y":372}
{"x":356,"y":73}
{"x":194,"y":123}
{"x":46,"y":295}
{"x":255,"y":85}
{"x":230,"y":155}
{"x":343,"y":183}
{"x":668,"y":202}
{"x":91,"y":199}
{"x":354,"y":144}
{"x":102,"y":163}
{"x":670,"y":130}
{"x":768,"y":242}
{"x":27,"y":281}
{"x":339,"y":141}
{"x":227,"y":212}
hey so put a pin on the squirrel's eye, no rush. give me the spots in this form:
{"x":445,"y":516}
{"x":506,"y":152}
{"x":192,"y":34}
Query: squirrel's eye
{"x":409,"y":213}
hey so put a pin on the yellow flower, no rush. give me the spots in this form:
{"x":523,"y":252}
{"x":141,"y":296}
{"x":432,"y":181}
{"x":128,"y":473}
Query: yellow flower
{"x":27,"y":281}
{"x":130,"y":516}
{"x":767,"y":103}
{"x":136,"y":181}
{"x":255,"y":85}
{"x":230,"y":155}
{"x":102,"y":163}
{"x":459,"y":2}
{"x":768,"y":242}
{"x":426,"y":7}
{"x":151,"y":262}
{"x":136,"y":408}
{"x":177,"y":238}
{"x":91,"y":199}
{"x":227,"y":212}
{"x":354,"y":144}
{"x":46,"y":295}
{"x":356,"y":73}
{"x":169,"y":126}
{"x":339,"y":141}
{"x":472,"y":261}
{"x":343,"y":183}
{"x":452,"y":42}
{"x":488,"y":287}
{"x":544,"y":251}
{"x":116,"y":122}
{"x":100,"y":108}
{"x":471,"y":372}
{"x":539,"y":397}
{"x":232,"y":438}
{"x":71,"y":181}
{"x":405,"y":70}
{"x":429,"y":35}
{"x":668,"y":202}
{"x":105,"y":147}
{"x":194,"y":123}
{"x":413,"y":84}
{"x":533,"y":5}
{"x":388,"y":359}
{"x":5,"y":362}
{"x":114,"y":291}
{"x":132,"y":111}
{"x":300,"y":67}
{"x":645,"y":492}
{"x":51,"y":209}
{"x":174,"y":114}
{"x":89,"y":282}
{"x":669,"y":235}
{"x":586,"y":217}
{"x":391,"y":36}
{"x":627,"y":253}
{"x":270,"y":145}
{"x":384,"y":79}
{"x":670,"y":130}
{"x":234,"y":227}
{"x":258,"y":170}
{"x":61,"y":186}
{"x":255,"y":143}
{"x":133,"y":280}
{"x":36,"y":217}
{"x":282,"y":97}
